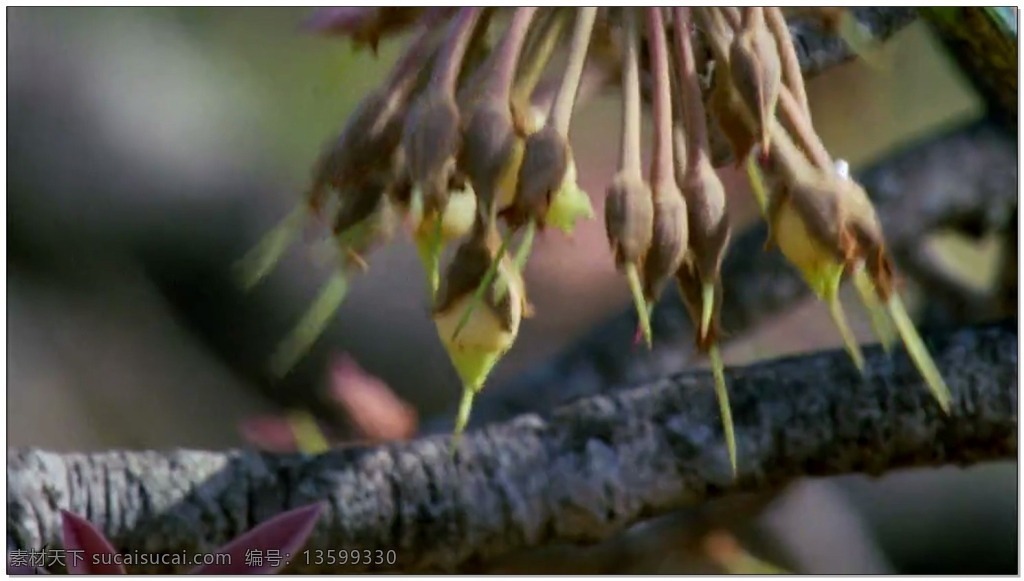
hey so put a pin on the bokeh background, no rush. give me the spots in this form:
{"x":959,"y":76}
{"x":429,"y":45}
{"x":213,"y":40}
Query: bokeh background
{"x":148,"y":149}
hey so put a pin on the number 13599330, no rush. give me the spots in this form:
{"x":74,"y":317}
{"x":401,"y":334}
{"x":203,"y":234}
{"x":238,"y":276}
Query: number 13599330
{"x":353,"y":557}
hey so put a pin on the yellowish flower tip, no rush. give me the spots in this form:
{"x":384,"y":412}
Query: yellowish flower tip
{"x":835,"y":309}
{"x":428,"y":250}
{"x":459,"y":214}
{"x":642,"y":311}
{"x":462,"y":418}
{"x":415,"y":212}
{"x":757,"y":186}
{"x":880,"y":322}
{"x":569,"y":204}
{"x":432,"y":235}
{"x":258,"y":262}
{"x":477,"y":347}
{"x":816,"y":264}
{"x":308,"y":436}
{"x":820,"y":269}
{"x":707,"y":301}
{"x":725,"y":410}
{"x":919,"y":353}
{"x":312,"y":324}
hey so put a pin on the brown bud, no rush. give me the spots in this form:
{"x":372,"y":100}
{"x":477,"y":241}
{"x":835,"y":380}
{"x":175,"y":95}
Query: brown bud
{"x":708,"y":222}
{"x":628,"y":218}
{"x":491,"y":151}
{"x":756,"y":70}
{"x":430,"y":143}
{"x":466,"y":271}
{"x":367,"y":144}
{"x":862,"y":224}
{"x":816,"y":203}
{"x":365,"y":219}
{"x":729,"y":113}
{"x":545,"y":162}
{"x":668,"y":242}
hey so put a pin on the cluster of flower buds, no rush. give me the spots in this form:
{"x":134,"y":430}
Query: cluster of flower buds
{"x":460,"y":146}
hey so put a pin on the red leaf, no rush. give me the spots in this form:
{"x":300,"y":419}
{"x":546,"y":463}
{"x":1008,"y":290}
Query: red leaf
{"x":270,"y":433}
{"x":286,"y":533}
{"x":82,"y":542}
{"x":377,"y":413}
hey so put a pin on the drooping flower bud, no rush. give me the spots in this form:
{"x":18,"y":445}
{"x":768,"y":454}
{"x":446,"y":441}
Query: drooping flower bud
{"x":492,"y":328}
{"x":756,"y":70}
{"x":669,"y":242}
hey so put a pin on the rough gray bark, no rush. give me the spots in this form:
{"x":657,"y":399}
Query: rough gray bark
{"x":580,"y":475}
{"x":967,"y":175}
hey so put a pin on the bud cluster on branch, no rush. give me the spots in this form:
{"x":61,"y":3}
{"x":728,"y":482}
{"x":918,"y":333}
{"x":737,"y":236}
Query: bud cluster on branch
{"x":458,"y":147}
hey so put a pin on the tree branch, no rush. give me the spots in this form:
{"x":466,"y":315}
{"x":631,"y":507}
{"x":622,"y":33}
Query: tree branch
{"x":584,"y":473}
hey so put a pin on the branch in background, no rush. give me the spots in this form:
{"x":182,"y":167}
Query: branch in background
{"x":983,"y":42}
{"x":964,"y":181}
{"x":968,"y":174}
{"x":818,"y":49}
{"x":589,"y":471}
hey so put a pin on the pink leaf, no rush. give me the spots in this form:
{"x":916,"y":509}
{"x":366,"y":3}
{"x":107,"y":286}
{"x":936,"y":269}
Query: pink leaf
{"x":270,"y":433}
{"x":284,"y":534}
{"x":377,"y":413}
{"x":82,"y":542}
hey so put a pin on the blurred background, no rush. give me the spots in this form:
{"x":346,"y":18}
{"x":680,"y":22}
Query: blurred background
{"x":149,"y":149}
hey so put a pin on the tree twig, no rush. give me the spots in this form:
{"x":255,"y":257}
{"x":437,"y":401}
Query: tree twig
{"x":586,"y":472}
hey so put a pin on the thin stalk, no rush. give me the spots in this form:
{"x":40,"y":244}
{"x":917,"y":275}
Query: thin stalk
{"x":697,"y":147}
{"x":798,"y":124}
{"x":449,"y":62}
{"x":561,"y":109}
{"x":792,"y":76}
{"x":662,"y":170}
{"x":537,"y":54}
{"x":718,"y":33}
{"x":631,"y":108}
{"x":417,"y":53}
{"x":733,"y":16}
{"x":499,"y":83}
{"x":752,"y":17}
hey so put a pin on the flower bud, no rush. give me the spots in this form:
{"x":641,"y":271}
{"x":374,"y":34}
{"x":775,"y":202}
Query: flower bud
{"x":545,"y":161}
{"x":430,"y":143}
{"x":547,"y":189}
{"x":756,"y":70}
{"x":729,"y":113}
{"x":492,"y":150}
{"x":366,"y":145}
{"x":628,"y":218}
{"x":669,"y":241}
{"x":492,"y":328}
